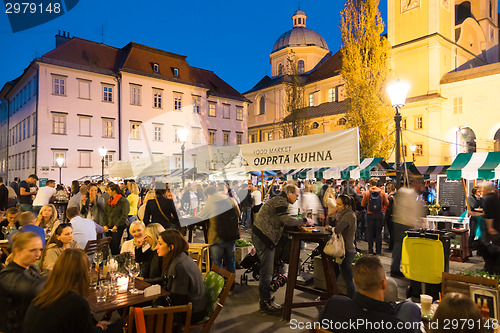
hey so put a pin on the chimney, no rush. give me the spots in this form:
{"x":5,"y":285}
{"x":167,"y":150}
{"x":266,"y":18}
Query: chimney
{"x":61,"y":39}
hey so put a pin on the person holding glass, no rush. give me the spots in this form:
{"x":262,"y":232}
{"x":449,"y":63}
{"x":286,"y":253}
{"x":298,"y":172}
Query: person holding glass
{"x":61,"y":240}
{"x":20,"y":281}
{"x":61,"y":305}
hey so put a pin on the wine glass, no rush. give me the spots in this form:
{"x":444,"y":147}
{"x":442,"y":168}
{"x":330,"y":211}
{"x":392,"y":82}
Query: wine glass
{"x":133,"y":270}
{"x":98,"y":259}
{"x":5,"y":231}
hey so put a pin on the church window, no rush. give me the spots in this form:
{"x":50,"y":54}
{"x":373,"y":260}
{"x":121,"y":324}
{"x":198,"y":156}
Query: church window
{"x":262,"y":105}
{"x":280,"y":69}
{"x":342,"y":122}
{"x":300,"y":65}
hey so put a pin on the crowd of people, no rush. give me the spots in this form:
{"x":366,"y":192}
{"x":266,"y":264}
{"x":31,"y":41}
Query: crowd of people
{"x":145,"y":223}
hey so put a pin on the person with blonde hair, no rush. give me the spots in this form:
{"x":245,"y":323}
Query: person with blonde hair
{"x":61,"y":305}
{"x":47,"y":218}
{"x":61,"y":240}
{"x":140,"y":212}
{"x":329,"y":201}
{"x":20,"y":281}
{"x":138,"y":245}
{"x":150,"y":262}
{"x":133,"y":199}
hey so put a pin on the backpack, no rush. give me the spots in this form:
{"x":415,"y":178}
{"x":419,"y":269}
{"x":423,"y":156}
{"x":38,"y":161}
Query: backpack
{"x":375,"y":202}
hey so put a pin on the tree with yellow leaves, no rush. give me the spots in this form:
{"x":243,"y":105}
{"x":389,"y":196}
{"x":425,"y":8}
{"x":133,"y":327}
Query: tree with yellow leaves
{"x":365,"y":69}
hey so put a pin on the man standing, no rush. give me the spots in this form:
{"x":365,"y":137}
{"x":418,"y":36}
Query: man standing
{"x":491,"y":208}
{"x":44,"y":196}
{"x":246,"y":205}
{"x":83,"y":229}
{"x":25,"y":193}
{"x":407,"y":214}
{"x":4,"y":196}
{"x":75,"y":200}
{"x":15,"y":185}
{"x":474,"y":209}
{"x":373,"y":200}
{"x":266,"y":233}
{"x":222,"y":212}
{"x":367,"y":309}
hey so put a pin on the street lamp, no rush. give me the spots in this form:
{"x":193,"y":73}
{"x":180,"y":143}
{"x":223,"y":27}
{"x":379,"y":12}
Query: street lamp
{"x":102,"y":152}
{"x":413,"y":148}
{"x":397,"y":93}
{"x":60,"y":163}
{"x":182,"y":134}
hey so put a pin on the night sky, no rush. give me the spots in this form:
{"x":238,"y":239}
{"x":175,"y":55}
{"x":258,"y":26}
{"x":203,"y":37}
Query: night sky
{"x":231,"y":38}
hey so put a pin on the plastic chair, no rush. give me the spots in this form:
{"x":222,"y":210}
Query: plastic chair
{"x":161,"y":320}
{"x":216,"y":291}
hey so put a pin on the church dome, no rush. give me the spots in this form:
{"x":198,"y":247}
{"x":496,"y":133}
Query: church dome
{"x":299,"y":35}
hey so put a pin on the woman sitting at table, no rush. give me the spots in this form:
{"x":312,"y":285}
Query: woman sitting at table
{"x":161,"y":210}
{"x":137,"y":245}
{"x":61,"y":305}
{"x":151,"y":265}
{"x":61,"y":240}
{"x":180,"y":275}
{"x":20,"y":281}
{"x":47,"y":219}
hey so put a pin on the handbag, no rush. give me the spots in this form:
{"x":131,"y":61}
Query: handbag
{"x":335,"y":247}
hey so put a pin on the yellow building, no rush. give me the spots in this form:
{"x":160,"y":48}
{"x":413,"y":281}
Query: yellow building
{"x":447,"y":50}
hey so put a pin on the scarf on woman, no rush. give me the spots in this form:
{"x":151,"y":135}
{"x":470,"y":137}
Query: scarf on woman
{"x":112,"y":202}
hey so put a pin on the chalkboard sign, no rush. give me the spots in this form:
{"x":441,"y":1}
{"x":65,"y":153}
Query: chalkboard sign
{"x":451,"y":194}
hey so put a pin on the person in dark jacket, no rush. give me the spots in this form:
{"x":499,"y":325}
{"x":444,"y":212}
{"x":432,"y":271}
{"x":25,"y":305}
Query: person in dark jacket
{"x":20,"y":281}
{"x":4,"y":196}
{"x":180,"y":275}
{"x":115,"y":216}
{"x":367,"y":311}
{"x":346,"y":225}
{"x":161,"y":210}
{"x":61,"y":306}
{"x":266,"y":232}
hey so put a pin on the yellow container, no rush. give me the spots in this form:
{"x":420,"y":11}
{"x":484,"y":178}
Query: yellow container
{"x":423,"y":259}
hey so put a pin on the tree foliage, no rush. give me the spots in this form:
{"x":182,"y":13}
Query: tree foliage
{"x":295,"y":123}
{"x":365,"y":69}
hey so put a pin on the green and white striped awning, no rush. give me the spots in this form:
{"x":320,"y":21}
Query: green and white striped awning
{"x":475,"y":166}
{"x":361,"y":171}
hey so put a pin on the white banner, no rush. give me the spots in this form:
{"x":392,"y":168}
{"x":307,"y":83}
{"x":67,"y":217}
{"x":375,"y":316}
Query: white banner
{"x":337,"y":148}
{"x":146,"y":166}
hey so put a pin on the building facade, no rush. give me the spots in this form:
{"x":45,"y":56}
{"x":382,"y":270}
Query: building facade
{"x":132,"y":101}
{"x":447,"y":50}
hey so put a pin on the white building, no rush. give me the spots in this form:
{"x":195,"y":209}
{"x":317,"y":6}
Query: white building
{"x":83,"y":95}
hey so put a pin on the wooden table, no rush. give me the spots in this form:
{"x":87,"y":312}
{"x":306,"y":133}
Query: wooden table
{"x":190,"y":223}
{"x":321,"y":238}
{"x":121,"y":301}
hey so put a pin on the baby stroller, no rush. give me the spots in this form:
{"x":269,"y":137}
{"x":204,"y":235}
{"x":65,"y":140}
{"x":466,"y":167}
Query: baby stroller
{"x":251,"y":263}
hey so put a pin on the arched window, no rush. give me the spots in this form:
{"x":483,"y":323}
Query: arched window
{"x":497,"y":140}
{"x":300,"y":66}
{"x":342,"y":121}
{"x":262,"y":105}
{"x":280,"y":69}
{"x":463,"y":11}
{"x":315,"y":125}
{"x":466,"y":140}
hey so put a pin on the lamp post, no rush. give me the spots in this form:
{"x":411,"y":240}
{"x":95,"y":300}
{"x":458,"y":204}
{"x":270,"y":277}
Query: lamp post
{"x":413,"y":148}
{"x":60,"y":163}
{"x":182,"y":134}
{"x":397,"y":93}
{"x":102,"y":152}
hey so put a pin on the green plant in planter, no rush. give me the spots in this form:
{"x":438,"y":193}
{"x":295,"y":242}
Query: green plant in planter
{"x":480,"y":273}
